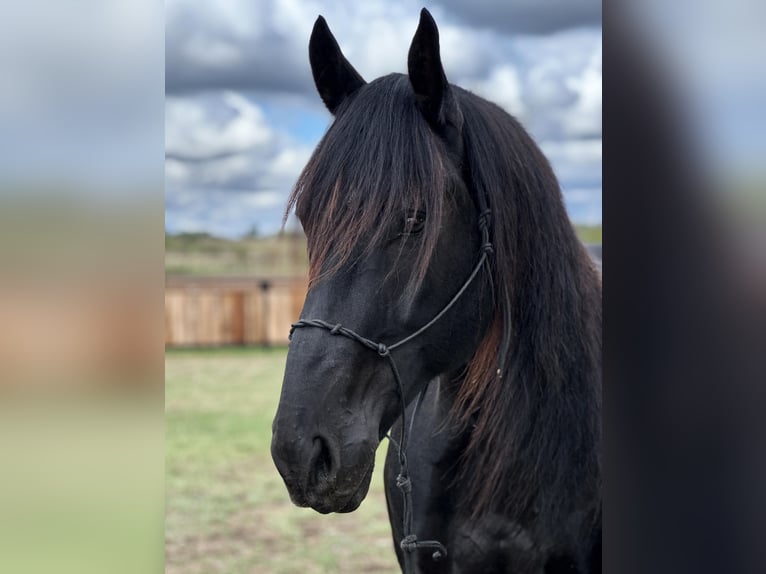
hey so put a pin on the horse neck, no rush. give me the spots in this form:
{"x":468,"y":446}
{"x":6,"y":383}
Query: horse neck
{"x":556,"y":314}
{"x":535,"y":429}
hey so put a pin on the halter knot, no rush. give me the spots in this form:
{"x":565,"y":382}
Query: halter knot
{"x":404,"y":483}
{"x":409,"y":543}
{"x":486,"y":246}
{"x":484,"y":219}
{"x":383,"y":351}
{"x":336,"y":329}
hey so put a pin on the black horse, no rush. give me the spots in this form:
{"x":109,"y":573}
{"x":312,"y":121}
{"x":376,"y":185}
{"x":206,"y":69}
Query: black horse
{"x":443,"y":259}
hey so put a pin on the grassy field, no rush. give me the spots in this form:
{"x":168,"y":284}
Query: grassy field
{"x":202,"y":254}
{"x":589,"y":233}
{"x":227,"y":510}
{"x":199,"y":254}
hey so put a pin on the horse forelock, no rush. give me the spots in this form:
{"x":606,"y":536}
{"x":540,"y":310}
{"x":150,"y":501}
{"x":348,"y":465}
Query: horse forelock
{"x":377,"y":162}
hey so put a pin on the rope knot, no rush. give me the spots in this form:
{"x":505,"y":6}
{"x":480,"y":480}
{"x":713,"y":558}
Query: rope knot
{"x":404,"y":483}
{"x":383,"y":351}
{"x":484,"y":219}
{"x":336,"y":329}
{"x":486,"y":246}
{"x":409,"y":543}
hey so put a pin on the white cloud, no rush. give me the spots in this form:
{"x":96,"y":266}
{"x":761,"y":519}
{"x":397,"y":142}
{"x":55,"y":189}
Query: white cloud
{"x":584,"y":118}
{"x":290,"y":161}
{"x":575,"y":151}
{"x":235,"y":17}
{"x":224,"y":146}
{"x":218,"y":172}
{"x":192,"y":131}
{"x":503,"y":86}
{"x":176,"y":171}
{"x":212,"y":52}
{"x":263,"y":199}
{"x":583,"y":205}
{"x":228,"y":168}
{"x":582,"y":195}
{"x":224,"y":213}
{"x":562,"y":84}
{"x":576,"y":162}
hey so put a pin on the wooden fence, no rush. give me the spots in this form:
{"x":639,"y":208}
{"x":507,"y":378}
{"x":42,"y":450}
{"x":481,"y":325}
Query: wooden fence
{"x":215,"y":311}
{"x":231,"y":311}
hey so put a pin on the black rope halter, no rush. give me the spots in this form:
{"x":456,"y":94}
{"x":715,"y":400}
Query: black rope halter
{"x":409,"y":543}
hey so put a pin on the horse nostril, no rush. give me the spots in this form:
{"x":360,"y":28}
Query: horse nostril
{"x":321,"y":462}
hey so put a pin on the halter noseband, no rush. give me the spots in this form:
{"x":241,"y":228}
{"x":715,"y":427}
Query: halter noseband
{"x":410,"y":542}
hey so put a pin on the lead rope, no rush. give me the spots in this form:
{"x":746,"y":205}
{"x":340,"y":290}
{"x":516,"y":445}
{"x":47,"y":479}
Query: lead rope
{"x":409,"y":543}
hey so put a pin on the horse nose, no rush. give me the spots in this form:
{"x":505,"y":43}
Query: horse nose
{"x":288,"y":451}
{"x":322,"y":466}
{"x":308,"y":464}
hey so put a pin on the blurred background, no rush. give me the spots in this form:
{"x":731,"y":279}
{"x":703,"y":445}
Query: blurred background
{"x":241,"y":119}
{"x":81,"y":286}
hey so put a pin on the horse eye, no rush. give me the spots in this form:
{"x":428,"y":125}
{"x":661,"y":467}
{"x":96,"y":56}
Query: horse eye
{"x":414,"y":223}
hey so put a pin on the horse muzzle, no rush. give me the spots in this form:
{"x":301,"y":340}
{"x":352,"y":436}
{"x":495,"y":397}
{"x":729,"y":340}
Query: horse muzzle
{"x":319,"y":473}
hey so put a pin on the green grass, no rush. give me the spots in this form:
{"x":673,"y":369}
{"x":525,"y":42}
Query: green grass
{"x":227,"y":509}
{"x":589,"y":233}
{"x":81,"y":482}
{"x":200,"y":254}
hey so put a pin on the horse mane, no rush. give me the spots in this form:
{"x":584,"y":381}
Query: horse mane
{"x":378,"y":161}
{"x":530,"y":399}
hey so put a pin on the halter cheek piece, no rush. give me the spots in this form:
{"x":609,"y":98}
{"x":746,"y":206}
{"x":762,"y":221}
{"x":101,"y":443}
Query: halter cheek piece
{"x":410,"y":542}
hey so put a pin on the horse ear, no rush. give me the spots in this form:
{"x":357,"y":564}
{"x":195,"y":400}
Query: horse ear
{"x":335,"y":78}
{"x":425,"y":70}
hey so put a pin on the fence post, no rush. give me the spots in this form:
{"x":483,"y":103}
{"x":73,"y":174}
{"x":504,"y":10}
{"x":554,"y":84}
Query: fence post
{"x":265,"y":289}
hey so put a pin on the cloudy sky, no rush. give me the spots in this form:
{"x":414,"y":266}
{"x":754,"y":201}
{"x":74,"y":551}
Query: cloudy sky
{"x":242,"y":116}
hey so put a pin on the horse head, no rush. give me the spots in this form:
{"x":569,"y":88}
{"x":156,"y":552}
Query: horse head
{"x":393,"y":236}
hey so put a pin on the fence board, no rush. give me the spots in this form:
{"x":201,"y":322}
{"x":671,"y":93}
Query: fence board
{"x":231,"y":311}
